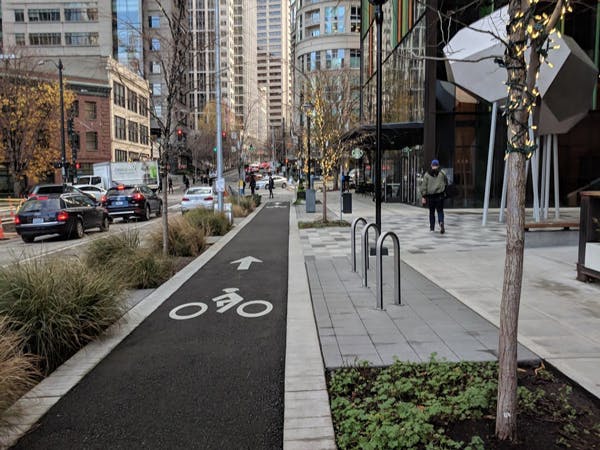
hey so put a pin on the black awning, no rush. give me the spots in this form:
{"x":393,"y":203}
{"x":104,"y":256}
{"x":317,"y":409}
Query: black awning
{"x":394,"y":136}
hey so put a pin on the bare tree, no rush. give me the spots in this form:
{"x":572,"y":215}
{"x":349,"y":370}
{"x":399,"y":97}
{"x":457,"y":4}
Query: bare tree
{"x":333,"y":95}
{"x":173,"y":56}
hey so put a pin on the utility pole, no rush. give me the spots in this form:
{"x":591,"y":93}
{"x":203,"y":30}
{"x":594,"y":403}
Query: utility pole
{"x":220,"y":182}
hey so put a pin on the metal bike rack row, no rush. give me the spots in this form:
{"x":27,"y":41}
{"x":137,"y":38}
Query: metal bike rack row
{"x":379,"y":269}
{"x":355,"y":222}
{"x":365,"y":248}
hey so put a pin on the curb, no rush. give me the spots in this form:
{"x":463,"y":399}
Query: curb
{"x":25,"y":413}
{"x":307,"y":416}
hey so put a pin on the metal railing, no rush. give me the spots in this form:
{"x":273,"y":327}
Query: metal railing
{"x":379,"y":269}
{"x":8,"y":208}
{"x":355,"y":223}
{"x":365,"y":248}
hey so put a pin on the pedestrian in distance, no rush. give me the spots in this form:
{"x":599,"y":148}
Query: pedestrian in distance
{"x":252,"y":184}
{"x":170,"y":191}
{"x":271,"y":186}
{"x":433,"y":192}
{"x":186,"y":181}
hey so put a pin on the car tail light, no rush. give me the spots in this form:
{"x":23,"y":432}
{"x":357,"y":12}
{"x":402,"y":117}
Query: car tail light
{"x":103,"y":199}
{"x":120,"y":187}
{"x":185,"y":199}
{"x":208,"y":198}
{"x":138,"y":197}
{"x":17,"y":220}
{"x":62,"y":216}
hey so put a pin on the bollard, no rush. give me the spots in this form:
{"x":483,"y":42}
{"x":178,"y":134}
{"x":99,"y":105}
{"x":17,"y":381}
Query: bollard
{"x":353,"y":239}
{"x":365,"y":248}
{"x":379,"y":269}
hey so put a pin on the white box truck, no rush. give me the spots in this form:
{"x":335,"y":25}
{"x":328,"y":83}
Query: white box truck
{"x":115,"y":173}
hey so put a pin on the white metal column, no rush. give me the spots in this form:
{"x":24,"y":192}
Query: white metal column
{"x":490,"y":162}
{"x":556,"y":185}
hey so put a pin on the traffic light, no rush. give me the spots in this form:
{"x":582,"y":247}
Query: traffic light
{"x":78,"y":166}
{"x":224,"y":134}
{"x":179,"y":134}
{"x":215,"y":149}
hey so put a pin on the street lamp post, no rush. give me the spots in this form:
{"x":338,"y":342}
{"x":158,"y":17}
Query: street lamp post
{"x":379,"y":21}
{"x":63,"y":150}
{"x":308,"y":108}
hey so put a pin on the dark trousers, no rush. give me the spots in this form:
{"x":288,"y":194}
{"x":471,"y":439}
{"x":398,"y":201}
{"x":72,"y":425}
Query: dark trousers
{"x":435,"y":203}
{"x":270,"y":192}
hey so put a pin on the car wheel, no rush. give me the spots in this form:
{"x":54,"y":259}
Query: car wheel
{"x":27,"y":239}
{"x":104,"y":224}
{"x":146,"y":215}
{"x":78,"y":231}
{"x":125,"y":219}
{"x":283,"y":185}
{"x":159,"y":210}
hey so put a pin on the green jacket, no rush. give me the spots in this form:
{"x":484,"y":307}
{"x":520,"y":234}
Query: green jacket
{"x":431,"y":185}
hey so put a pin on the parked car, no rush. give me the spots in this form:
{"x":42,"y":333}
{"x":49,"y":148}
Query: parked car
{"x":95,"y":191}
{"x":127,"y":201}
{"x":68,"y":214}
{"x":197,"y":197}
{"x":45,"y":189}
{"x":280,"y":182}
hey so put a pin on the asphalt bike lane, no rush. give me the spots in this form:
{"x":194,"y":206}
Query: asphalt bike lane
{"x":204,"y":371}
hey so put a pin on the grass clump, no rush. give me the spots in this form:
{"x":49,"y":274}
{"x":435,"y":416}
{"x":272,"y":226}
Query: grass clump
{"x":151,"y":269}
{"x":213,"y":223}
{"x":18,"y":370}
{"x":105,"y":252}
{"x":242,"y":206}
{"x":58,"y":307}
{"x":186,"y":238}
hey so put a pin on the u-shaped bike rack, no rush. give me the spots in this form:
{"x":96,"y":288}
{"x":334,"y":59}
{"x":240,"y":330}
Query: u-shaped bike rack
{"x":379,"y":269}
{"x":365,"y":248}
{"x":355,"y":223}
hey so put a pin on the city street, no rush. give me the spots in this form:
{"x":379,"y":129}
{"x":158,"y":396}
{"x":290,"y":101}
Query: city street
{"x":205,"y":370}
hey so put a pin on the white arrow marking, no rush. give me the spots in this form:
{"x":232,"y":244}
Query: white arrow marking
{"x":244,"y":263}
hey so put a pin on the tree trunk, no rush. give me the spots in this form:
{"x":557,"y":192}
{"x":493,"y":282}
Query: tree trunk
{"x":165,"y":214}
{"x":324,"y":199}
{"x":518,"y":135}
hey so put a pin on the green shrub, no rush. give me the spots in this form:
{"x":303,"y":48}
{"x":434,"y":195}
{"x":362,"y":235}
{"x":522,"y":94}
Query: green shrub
{"x":149,"y":269}
{"x":58,"y":307}
{"x":242,"y":206}
{"x":17,"y":368}
{"x":256,"y":198}
{"x":104,"y":252}
{"x":213,"y":223}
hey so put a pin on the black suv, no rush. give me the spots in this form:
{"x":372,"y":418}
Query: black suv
{"x":127,"y":201}
{"x":67,"y":214}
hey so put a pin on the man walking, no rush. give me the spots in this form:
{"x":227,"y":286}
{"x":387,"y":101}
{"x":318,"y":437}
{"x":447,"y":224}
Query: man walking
{"x":271,"y":186}
{"x":252,"y":184}
{"x":433,"y":187}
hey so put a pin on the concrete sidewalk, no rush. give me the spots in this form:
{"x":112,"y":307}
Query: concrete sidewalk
{"x":559,"y":316}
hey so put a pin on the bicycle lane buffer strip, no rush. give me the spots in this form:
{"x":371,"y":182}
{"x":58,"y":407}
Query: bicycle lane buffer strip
{"x":195,"y":353}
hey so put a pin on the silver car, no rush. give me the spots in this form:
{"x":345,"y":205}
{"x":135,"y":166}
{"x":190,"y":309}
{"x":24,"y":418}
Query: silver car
{"x":197,"y":197}
{"x":95,"y":191}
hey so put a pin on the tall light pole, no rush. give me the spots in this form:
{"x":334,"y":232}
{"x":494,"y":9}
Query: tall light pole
{"x":308,"y":108}
{"x":220,"y":182}
{"x":379,"y":21}
{"x":63,"y":150}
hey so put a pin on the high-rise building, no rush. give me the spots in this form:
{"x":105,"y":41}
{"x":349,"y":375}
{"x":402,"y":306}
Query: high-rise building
{"x":272,"y":38}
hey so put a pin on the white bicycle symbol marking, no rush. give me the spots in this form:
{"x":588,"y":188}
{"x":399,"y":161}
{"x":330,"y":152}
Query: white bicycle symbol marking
{"x":224,"y":303}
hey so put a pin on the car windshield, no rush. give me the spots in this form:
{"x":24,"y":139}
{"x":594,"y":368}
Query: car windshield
{"x":122,"y":191}
{"x":41,"y":205}
{"x":50,"y":189}
{"x":199,"y":190}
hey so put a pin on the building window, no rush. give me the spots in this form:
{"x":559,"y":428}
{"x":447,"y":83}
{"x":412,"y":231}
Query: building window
{"x":44,"y":15}
{"x":158,"y":110}
{"x":133,"y":132}
{"x":334,"y":59}
{"x":42,"y":39}
{"x":119,"y":97}
{"x":90,"y":110}
{"x":154,"y":45}
{"x":156,"y":89}
{"x":314,"y":63}
{"x":154,"y":67}
{"x":144,"y":135}
{"x":81,"y":14}
{"x":334,"y":19}
{"x":20,"y":39}
{"x":74,"y":112}
{"x":143,"y":102}
{"x":19,"y":15}
{"x":120,"y":132}
{"x":354,"y":59}
{"x":154,"y":21}
{"x":81,"y":39}
{"x":355,"y":19}
{"x":91,"y":141}
{"x":132,"y":101}
{"x":120,"y":155}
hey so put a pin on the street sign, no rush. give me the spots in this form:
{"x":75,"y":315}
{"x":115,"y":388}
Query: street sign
{"x":357,"y":153}
{"x":220,"y":185}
